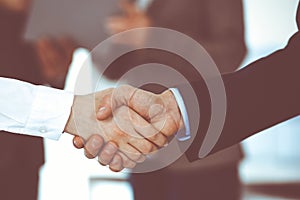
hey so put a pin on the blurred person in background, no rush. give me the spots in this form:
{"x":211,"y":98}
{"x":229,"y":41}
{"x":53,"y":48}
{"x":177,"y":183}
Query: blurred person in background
{"x":218,"y":26}
{"x":45,"y":62}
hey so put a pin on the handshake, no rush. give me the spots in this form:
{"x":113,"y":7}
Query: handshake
{"x":123,"y":125}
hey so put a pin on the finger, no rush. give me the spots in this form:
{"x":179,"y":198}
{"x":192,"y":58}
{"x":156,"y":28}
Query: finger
{"x":141,"y":159}
{"x":78,"y":142}
{"x":154,"y":110}
{"x":116,"y":164}
{"x":145,"y":103}
{"x":146,"y":130}
{"x":159,"y":139}
{"x":104,"y":108}
{"x":107,"y":153}
{"x":127,"y":163}
{"x":123,"y":117}
{"x":142,"y":145}
{"x":93,"y":146}
{"x":132,"y":153}
{"x":167,"y":126}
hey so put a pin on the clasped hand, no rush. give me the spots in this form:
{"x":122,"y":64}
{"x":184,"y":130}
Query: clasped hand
{"x":122,"y":125}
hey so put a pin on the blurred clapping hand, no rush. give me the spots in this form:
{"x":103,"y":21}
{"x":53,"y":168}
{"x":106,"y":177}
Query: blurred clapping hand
{"x":132,"y":17}
{"x":55,"y":57}
{"x":139,"y":123}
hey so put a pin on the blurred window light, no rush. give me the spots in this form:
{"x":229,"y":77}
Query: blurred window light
{"x":274,"y":154}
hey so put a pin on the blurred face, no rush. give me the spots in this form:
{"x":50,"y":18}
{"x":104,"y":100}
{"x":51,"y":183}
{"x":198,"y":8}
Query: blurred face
{"x":15,"y":5}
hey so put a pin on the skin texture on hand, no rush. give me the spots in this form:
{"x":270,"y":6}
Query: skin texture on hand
{"x":121,"y":129}
{"x":109,"y":155}
{"x":161,"y":111}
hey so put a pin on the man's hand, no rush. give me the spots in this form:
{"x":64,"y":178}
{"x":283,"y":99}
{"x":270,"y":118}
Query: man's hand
{"x":161,"y":111}
{"x":110,"y":155}
{"x":124,"y":129}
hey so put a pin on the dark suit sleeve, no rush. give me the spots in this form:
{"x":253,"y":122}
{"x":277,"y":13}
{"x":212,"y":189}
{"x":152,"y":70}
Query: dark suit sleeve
{"x":261,"y":95}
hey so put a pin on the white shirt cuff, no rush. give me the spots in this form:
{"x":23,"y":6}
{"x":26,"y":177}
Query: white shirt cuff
{"x":182,"y":136}
{"x":50,"y":113}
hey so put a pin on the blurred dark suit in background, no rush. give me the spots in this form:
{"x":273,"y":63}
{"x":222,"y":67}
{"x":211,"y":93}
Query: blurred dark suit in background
{"x":45,"y":61}
{"x":21,"y":156}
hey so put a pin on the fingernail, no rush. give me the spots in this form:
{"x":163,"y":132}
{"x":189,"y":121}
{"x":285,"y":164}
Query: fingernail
{"x":75,"y":142}
{"x":95,"y":143}
{"x":101,"y":110}
{"x":110,"y":147}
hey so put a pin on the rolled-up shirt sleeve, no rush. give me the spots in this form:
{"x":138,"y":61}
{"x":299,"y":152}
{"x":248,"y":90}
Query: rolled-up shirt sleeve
{"x":33,"y":110}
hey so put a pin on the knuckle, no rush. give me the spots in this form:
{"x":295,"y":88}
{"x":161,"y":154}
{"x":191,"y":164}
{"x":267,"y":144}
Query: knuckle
{"x":162,"y":141}
{"x":141,"y":159}
{"x":146,"y":147}
{"x":129,"y":165}
{"x":134,"y":156}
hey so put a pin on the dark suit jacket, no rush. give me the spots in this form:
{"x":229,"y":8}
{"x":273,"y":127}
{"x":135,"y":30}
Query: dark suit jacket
{"x":261,"y":95}
{"x":17,"y":60}
{"x":217,"y":25}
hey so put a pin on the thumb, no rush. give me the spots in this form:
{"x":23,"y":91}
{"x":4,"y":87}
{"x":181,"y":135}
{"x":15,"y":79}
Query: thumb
{"x":104,"y":110}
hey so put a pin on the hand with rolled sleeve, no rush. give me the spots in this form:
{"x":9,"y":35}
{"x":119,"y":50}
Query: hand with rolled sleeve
{"x":122,"y":129}
{"x":33,"y":110}
{"x":45,"y":112}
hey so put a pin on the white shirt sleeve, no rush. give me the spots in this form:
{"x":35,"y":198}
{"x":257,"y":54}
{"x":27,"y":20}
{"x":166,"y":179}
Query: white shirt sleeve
{"x":182,"y":136}
{"x":33,"y":110}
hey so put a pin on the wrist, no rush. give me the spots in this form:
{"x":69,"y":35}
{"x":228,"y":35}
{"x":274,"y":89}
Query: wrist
{"x":171,"y":102}
{"x":70,"y":125}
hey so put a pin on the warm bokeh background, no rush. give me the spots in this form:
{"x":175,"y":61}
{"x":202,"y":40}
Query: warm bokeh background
{"x":271,"y":158}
